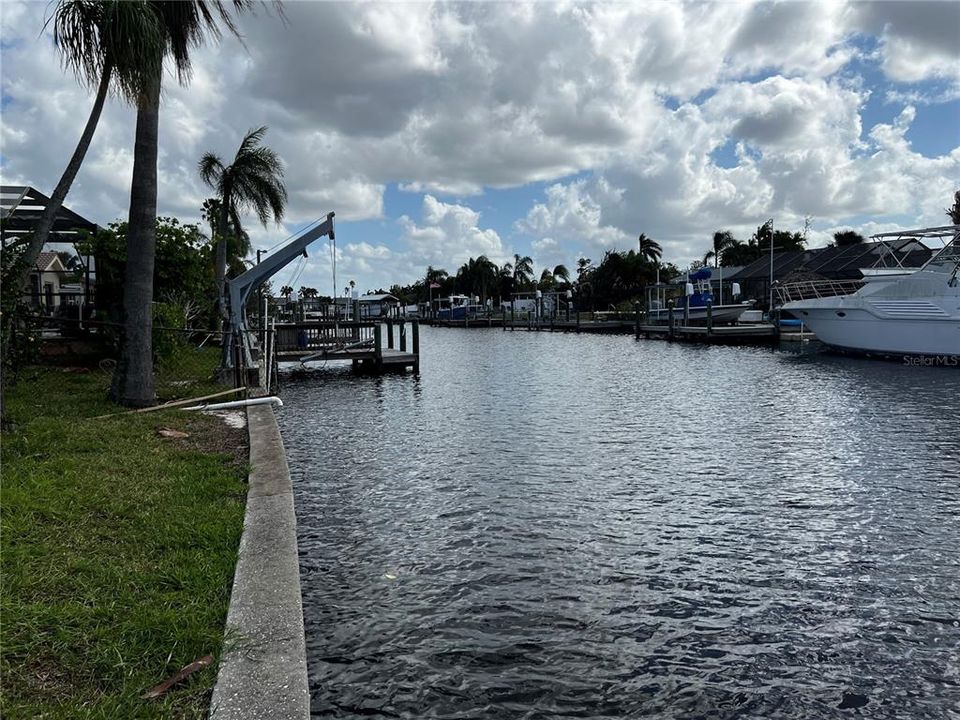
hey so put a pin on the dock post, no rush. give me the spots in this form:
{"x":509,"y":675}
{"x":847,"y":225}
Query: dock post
{"x":670,"y":319}
{"x":636,"y":323}
{"x":378,"y":345}
{"x":415,"y":326}
{"x":709,"y":318}
{"x":390,"y":333}
{"x":403,"y":337}
{"x":686,"y":312}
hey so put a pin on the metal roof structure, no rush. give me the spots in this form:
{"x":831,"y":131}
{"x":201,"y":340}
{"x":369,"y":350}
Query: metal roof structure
{"x":21,"y":207}
{"x":783,"y":263}
{"x":837,"y":262}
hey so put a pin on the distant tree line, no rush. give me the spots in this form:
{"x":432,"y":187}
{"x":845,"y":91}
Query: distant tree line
{"x":619,"y":276}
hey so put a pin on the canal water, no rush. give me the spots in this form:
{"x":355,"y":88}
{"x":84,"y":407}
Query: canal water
{"x":550,"y":525}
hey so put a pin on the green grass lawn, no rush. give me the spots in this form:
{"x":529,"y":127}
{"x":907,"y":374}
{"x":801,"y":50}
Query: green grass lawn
{"x":118,"y":551}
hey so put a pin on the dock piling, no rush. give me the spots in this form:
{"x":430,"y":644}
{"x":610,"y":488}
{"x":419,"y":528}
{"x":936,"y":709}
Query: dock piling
{"x":390,"y":333}
{"x":403,"y":336}
{"x":415,"y":326}
{"x":709,"y":318}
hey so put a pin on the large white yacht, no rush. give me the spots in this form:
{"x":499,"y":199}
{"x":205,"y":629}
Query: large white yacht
{"x":896,"y":314}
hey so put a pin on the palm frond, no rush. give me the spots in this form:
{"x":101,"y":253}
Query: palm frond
{"x":211,"y":171}
{"x":77,"y":37}
{"x":189,"y":23}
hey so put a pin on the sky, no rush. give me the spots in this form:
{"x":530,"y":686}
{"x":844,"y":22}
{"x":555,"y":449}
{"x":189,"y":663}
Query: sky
{"x":438,"y":132}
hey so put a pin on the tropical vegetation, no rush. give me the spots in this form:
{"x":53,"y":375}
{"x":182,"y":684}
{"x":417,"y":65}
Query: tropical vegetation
{"x":252,"y":182}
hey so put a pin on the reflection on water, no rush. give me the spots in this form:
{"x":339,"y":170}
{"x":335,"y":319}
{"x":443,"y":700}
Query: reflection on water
{"x":549,"y":526}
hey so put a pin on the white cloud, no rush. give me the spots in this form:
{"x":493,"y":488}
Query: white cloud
{"x":918,"y":40}
{"x":448,"y":236}
{"x":573,"y":214}
{"x":620,"y":109}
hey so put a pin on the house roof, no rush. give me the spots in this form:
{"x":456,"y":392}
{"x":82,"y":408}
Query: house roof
{"x":385,"y":297}
{"x":832,"y":262}
{"x":49,"y":261}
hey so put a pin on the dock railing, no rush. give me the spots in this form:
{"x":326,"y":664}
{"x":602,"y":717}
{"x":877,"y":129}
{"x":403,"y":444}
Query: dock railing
{"x":813,"y":289}
{"x":324,"y":335}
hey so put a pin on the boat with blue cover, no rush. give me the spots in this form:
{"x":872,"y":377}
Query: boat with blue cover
{"x":692,"y":305}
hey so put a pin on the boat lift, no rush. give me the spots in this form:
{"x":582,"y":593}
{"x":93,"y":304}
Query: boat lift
{"x":240,"y":287}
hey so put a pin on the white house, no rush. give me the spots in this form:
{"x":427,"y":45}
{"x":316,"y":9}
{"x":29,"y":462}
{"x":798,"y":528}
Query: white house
{"x":45,"y":282}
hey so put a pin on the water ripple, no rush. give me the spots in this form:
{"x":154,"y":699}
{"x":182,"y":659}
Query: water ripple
{"x":547,"y":526}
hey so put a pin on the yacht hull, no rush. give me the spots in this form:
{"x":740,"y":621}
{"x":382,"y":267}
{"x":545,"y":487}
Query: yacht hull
{"x":865,"y":329}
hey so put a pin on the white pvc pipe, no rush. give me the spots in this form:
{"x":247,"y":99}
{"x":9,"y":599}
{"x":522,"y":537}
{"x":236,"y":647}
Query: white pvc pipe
{"x":237,"y":404}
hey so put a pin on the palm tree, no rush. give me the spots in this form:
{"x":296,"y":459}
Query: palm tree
{"x":238,"y":241}
{"x":477,"y":275}
{"x":649,"y":249}
{"x":435,"y":275}
{"x":547,"y":280}
{"x":253,"y":181}
{"x":107,"y":44}
{"x":561,"y":273}
{"x":185,"y":25}
{"x":522,"y":271}
{"x":722,"y":239}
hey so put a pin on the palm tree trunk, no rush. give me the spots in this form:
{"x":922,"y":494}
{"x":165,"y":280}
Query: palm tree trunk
{"x":220,"y":270}
{"x":220,"y":259}
{"x":49,"y":215}
{"x":45,"y":224}
{"x":133,"y":380}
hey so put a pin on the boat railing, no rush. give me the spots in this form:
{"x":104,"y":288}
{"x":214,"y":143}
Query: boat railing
{"x":813,"y":289}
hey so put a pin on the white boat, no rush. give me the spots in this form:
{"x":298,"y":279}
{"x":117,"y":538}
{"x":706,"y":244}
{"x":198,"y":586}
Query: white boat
{"x":692,"y":307}
{"x":892,"y":314}
{"x":722,"y":314}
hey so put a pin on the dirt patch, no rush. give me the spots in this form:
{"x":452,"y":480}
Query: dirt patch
{"x":212,"y":435}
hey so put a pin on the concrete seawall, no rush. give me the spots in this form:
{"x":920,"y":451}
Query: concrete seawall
{"x":263,"y":669}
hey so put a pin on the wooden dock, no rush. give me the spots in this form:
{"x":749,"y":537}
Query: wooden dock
{"x":542,"y":324}
{"x":747,"y":334}
{"x":673,"y":330}
{"x":372,"y":347}
{"x":753,"y":334}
